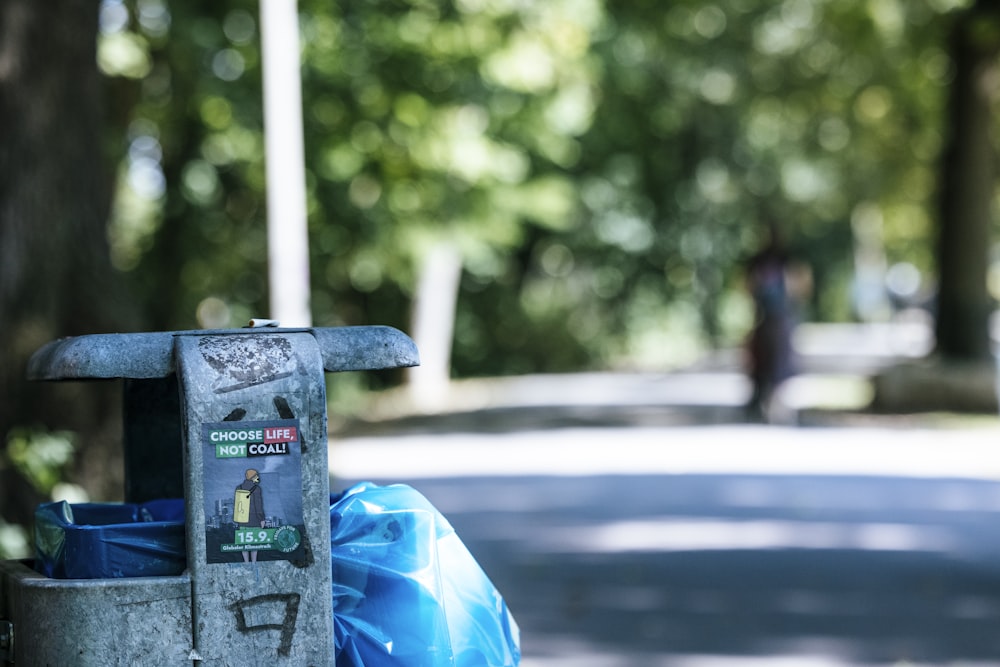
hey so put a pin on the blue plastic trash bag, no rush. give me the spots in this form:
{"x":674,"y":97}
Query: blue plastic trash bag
{"x":108,"y":540}
{"x":407,"y":592}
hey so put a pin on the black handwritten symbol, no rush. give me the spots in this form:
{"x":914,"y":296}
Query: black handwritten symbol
{"x":286,"y":626}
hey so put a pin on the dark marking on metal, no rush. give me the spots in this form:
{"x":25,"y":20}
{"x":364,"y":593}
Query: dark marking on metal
{"x":286,"y":625}
{"x":284,"y":411}
{"x":252,"y":383}
{"x":235,"y":416}
{"x":308,"y":557}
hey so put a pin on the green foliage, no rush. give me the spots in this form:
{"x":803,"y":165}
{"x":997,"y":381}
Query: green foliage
{"x":603,"y":167}
{"x":40,"y":457}
{"x":13,"y":541}
{"x":803,"y":113}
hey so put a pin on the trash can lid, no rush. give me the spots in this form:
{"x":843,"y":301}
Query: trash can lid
{"x":151,"y":354}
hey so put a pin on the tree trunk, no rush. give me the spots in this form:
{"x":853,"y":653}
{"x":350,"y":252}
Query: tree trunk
{"x":968,"y":175}
{"x":434,"y":325}
{"x":56,"y":277}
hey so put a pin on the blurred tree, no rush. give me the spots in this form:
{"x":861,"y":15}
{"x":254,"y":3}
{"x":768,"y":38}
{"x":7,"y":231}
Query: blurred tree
{"x":444,"y":130}
{"x":600,"y":175}
{"x":968,"y":187}
{"x":428,"y":125}
{"x":597,"y":171}
{"x":592,"y":174}
{"x":55,"y":275}
{"x":714,"y":119}
{"x":189,"y":222}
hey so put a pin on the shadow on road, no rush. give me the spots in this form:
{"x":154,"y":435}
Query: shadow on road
{"x":653,"y":570}
{"x":634,"y":521}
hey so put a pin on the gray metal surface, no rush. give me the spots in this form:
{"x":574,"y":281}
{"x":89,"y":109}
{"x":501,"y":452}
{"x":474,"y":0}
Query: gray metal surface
{"x":134,"y":355}
{"x":365,"y":348}
{"x":253,"y":378}
{"x":235,"y":605}
{"x":97,"y":622}
{"x":151,"y":355}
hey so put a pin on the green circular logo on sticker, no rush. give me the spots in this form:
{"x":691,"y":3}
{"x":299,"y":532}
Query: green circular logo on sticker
{"x":286,"y":538}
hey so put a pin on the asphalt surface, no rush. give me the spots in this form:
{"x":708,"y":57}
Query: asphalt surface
{"x":626,"y":529}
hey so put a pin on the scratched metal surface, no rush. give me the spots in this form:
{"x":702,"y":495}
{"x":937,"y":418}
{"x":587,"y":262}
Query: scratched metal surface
{"x":266,"y":612}
{"x":275,"y":610}
{"x":96,"y":622}
{"x":151,"y":354}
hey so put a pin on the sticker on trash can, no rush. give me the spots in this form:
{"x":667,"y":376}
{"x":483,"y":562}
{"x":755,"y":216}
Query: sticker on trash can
{"x":253,"y":491}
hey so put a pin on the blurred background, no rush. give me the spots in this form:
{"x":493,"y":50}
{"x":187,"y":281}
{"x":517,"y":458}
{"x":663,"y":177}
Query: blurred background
{"x":559,"y":200}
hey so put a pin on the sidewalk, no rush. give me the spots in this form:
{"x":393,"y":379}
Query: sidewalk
{"x":835,"y":385}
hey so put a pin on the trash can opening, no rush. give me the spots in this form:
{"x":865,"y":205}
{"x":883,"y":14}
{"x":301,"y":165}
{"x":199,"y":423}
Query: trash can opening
{"x":110,"y":540}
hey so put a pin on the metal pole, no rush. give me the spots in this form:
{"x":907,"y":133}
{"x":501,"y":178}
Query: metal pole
{"x":287,"y":235}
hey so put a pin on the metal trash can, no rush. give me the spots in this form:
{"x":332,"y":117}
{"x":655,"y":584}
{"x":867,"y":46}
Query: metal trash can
{"x":235,"y":422}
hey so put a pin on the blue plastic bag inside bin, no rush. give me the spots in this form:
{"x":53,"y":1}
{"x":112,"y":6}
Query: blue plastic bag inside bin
{"x":407,"y":592}
{"x":109,"y":540}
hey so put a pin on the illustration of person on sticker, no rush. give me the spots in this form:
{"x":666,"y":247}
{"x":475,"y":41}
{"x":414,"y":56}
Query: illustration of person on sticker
{"x":248,"y":508}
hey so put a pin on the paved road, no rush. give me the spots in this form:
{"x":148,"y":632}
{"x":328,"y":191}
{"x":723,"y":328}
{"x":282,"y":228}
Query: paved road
{"x":655,"y":542}
{"x":635,"y":520}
